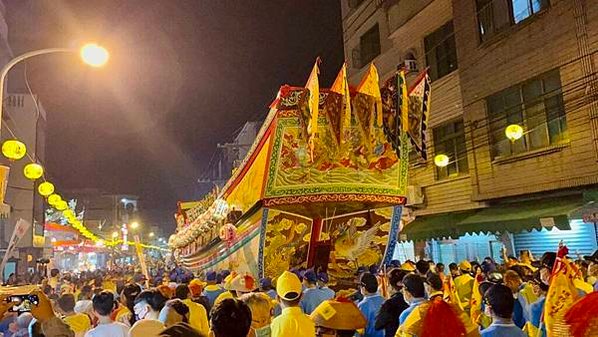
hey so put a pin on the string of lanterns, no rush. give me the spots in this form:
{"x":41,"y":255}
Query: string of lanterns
{"x":16,"y":150}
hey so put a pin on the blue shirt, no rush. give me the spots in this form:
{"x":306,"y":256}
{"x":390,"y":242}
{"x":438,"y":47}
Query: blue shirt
{"x":507,"y":329}
{"x":277,"y":308}
{"x":212,"y":292}
{"x":536,"y":310}
{"x":369,"y":307}
{"x":416,"y":302}
{"x":518,"y":316}
{"x":312,"y":297}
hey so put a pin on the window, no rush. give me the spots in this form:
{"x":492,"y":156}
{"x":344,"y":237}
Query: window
{"x":495,"y":15}
{"x":537,"y":106}
{"x":449,"y":139}
{"x":369,"y":46}
{"x":441,"y":53}
{"x":523,"y":9}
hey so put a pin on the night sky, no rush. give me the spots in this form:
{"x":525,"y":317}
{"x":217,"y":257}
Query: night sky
{"x":183,"y":76}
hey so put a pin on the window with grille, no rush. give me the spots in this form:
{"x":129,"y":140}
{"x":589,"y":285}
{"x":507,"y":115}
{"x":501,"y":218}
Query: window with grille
{"x":369,"y":45}
{"x":496,"y":15}
{"x":441,"y":52}
{"x":536,"y":105}
{"x":449,"y":139}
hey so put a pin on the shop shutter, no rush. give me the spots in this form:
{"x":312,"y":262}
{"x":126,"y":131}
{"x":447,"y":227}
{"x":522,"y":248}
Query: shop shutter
{"x":580,"y":239}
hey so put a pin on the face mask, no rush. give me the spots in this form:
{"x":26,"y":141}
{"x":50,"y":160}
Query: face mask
{"x":263,"y":331}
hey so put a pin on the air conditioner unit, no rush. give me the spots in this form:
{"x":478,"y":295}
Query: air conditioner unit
{"x":415,"y":195}
{"x":411,"y":65}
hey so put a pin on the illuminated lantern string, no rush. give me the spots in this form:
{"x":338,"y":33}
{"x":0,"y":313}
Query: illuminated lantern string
{"x":45,"y":189}
{"x":54,"y":199}
{"x":33,"y":171}
{"x":61,"y":205}
{"x":14,"y":149}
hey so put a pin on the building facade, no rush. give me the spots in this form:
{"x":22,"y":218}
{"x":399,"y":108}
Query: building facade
{"x":493,"y":63}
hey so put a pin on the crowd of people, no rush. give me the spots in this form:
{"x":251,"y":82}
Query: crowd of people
{"x":421,"y":299}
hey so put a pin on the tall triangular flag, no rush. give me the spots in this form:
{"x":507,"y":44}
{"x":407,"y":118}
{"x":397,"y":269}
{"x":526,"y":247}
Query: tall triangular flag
{"x":313,"y":102}
{"x":370,"y":85}
{"x":561,"y":295}
{"x":341,"y":87}
{"x":403,"y":100}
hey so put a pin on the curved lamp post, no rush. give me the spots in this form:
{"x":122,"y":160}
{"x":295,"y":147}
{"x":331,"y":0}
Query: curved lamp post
{"x":91,"y":53}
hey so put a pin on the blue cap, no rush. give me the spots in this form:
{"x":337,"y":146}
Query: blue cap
{"x":310,"y":275}
{"x":323,"y":277}
{"x":211,"y":276}
{"x":266,"y":282}
{"x":224,"y":273}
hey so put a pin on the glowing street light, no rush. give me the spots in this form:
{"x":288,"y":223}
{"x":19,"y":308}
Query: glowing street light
{"x":441,"y":160}
{"x":94,"y":55}
{"x":91,"y":53}
{"x":135,"y":225}
{"x":114,"y":234}
{"x":514,"y":132}
{"x":151,"y":234}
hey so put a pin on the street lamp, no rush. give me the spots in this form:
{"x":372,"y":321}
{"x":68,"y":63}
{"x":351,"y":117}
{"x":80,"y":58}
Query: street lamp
{"x":94,"y":55}
{"x":135,"y":225}
{"x":91,"y":53}
{"x":441,"y":160}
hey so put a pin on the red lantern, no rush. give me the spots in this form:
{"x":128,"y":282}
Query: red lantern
{"x":228,"y":233}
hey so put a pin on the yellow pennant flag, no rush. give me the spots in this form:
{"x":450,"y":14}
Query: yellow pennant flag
{"x":404,"y":100}
{"x":341,"y":87}
{"x":560,"y":297}
{"x":313,"y":86}
{"x":370,"y":85}
{"x":450,"y":291}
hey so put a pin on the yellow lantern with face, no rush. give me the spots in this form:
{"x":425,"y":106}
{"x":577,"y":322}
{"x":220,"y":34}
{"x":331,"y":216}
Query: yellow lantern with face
{"x":45,"y":189}
{"x":33,"y":171}
{"x":14,"y":149}
{"x":54,"y":199}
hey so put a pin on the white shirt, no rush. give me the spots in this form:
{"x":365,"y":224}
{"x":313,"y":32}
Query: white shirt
{"x":114,"y":329}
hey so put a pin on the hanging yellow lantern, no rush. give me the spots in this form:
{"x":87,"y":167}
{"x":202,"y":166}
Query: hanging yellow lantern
{"x":441,"y":160}
{"x":61,"y":205}
{"x":14,"y":149}
{"x":54,"y":199}
{"x":514,"y":132}
{"x":46,"y":188}
{"x":68,"y":213}
{"x":33,"y":171}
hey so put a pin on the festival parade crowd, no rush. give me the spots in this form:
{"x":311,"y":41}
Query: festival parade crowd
{"x":422,"y":298}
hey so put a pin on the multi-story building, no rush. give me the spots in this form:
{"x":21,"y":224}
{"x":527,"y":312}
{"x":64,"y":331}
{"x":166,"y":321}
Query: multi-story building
{"x":492,"y":63}
{"x":227,"y":158}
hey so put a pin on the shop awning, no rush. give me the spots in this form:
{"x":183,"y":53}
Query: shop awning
{"x":434,"y":226}
{"x":505,"y":217}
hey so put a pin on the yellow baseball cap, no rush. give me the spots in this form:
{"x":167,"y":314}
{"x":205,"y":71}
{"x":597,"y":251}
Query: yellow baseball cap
{"x":340,"y":314}
{"x":465,"y":265}
{"x":288,"y":286}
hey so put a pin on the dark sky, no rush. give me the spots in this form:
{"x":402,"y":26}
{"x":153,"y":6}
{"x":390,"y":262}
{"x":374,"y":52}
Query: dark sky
{"x":183,"y":76}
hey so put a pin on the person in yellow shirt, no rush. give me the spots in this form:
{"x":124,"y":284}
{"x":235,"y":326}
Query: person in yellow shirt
{"x":464,"y":285}
{"x":198,"y":316}
{"x":79,"y":323}
{"x":292,"y":321}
